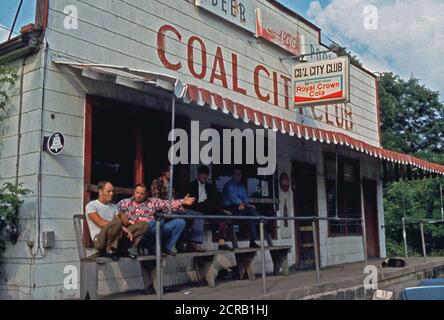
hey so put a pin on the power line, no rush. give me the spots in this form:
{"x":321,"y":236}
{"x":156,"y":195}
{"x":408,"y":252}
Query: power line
{"x":7,"y":29}
{"x":15,"y":18}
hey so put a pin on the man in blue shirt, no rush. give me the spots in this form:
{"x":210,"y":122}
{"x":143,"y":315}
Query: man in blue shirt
{"x":235,"y":199}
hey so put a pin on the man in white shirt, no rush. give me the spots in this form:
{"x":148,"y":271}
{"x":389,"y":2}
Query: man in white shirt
{"x":105,"y":223}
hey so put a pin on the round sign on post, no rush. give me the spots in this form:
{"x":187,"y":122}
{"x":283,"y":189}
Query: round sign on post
{"x":55,"y":143}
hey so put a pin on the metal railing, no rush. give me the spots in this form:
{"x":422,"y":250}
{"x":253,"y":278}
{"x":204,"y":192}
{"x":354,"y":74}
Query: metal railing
{"x":421,"y":223}
{"x":261,"y":220}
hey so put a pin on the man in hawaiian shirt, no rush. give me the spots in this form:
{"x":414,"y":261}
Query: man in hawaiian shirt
{"x":139,"y":209}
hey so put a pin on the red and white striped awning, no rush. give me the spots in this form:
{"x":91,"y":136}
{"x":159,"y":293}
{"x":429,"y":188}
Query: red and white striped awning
{"x":203,"y":97}
{"x":140,"y":79}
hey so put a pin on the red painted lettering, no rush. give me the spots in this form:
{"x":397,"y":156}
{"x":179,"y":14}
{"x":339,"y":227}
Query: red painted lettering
{"x":219,"y":65}
{"x":203,"y":51}
{"x":257,"y":88}
{"x":161,"y":47}
{"x":286,"y":90}
{"x":234,"y":66}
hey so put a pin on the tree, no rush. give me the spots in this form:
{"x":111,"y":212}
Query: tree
{"x":8,"y":77}
{"x":412,"y":117}
{"x":9,"y":194}
{"x":343,"y":52}
{"x":412,"y":122}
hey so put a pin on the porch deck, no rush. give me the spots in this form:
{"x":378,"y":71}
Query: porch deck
{"x":337,"y":282}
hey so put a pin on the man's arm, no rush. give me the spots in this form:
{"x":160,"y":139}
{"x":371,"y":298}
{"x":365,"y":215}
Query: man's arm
{"x":164,"y":205}
{"x":129,"y":235}
{"x":231,"y":195}
{"x":125,"y":220}
{"x":97,"y":219}
{"x":122,"y":209}
{"x":245,"y":199}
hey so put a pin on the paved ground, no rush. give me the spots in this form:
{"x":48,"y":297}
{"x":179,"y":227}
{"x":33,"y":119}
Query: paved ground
{"x":295,"y":286}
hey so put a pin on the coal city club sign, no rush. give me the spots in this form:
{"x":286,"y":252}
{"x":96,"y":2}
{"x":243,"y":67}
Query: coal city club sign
{"x":323,"y":82}
{"x":238,"y":12}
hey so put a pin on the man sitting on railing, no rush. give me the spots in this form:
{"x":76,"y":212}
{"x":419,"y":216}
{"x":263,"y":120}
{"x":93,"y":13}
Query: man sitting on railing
{"x":235,"y":199}
{"x":208,"y":201}
{"x":140,"y":209}
{"x":106,"y":225}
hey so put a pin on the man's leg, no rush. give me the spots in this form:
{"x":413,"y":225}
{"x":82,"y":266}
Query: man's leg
{"x":138,"y":230}
{"x":172,"y":230}
{"x":196,"y":234}
{"x":108,"y":238}
{"x":252,"y":224}
{"x":197,"y":227}
{"x":149,"y":238}
{"x":248,"y":211}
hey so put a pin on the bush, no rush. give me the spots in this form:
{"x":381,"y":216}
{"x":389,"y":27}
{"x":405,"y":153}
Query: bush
{"x":8,"y":77}
{"x":396,"y":249}
{"x":10,"y":202}
{"x":422,"y":201}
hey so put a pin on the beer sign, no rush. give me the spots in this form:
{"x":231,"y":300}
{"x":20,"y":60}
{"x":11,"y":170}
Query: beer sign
{"x":239,"y":12}
{"x":323,"y":82}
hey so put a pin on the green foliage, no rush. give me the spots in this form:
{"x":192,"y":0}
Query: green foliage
{"x":412,"y":122}
{"x":8,"y":77}
{"x":10,"y":201}
{"x":412,"y":117}
{"x":343,"y":52}
{"x":396,"y":249}
{"x":421,"y":201}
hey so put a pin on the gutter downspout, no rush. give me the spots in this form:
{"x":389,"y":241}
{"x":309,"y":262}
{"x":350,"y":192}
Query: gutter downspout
{"x":19,"y":125}
{"x":39,"y":187}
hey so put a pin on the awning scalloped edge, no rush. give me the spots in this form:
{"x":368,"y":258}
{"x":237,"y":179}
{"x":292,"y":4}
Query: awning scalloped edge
{"x":204,"y":97}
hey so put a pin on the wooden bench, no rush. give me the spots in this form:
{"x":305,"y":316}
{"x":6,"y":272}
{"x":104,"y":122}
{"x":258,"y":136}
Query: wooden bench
{"x":245,"y":258}
{"x":203,"y":262}
{"x":89,"y":265}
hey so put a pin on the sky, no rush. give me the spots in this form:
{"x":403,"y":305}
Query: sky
{"x":8,"y":8}
{"x":406,"y":37}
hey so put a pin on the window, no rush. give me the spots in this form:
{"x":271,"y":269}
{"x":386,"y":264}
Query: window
{"x":346,"y":200}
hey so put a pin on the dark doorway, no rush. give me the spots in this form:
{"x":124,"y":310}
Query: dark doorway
{"x":304,"y":187}
{"x":155,"y":130}
{"x":128,"y":144}
{"x":371,"y":218}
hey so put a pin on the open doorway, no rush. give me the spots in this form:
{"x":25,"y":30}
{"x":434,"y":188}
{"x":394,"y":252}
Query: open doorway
{"x":128,"y":144}
{"x":304,"y":186}
{"x":371,"y":217}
